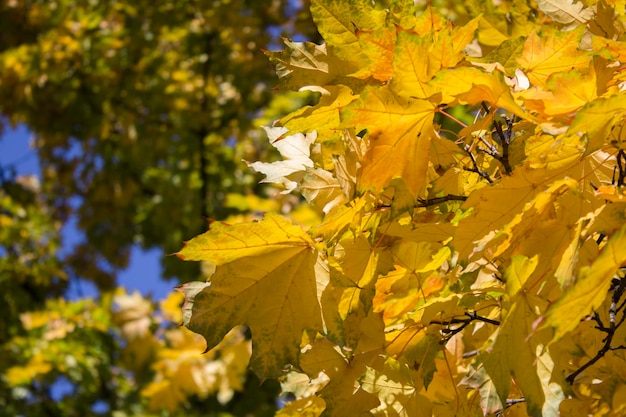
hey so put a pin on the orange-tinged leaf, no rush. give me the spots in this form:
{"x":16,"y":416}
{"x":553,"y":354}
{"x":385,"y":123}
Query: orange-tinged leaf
{"x":539,"y":209}
{"x":399,"y":132}
{"x":472,"y":86}
{"x":378,"y":46}
{"x":617,"y":49}
{"x":590,"y":288}
{"x":553,"y":52}
{"x":224,"y":243}
{"x":611,"y":193}
{"x":418,"y":57}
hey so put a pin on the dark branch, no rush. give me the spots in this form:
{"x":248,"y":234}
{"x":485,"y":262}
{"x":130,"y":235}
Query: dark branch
{"x":505,"y":140}
{"x":425,"y":202}
{"x":618,"y":286}
{"x":475,"y":169}
{"x":448,"y":332}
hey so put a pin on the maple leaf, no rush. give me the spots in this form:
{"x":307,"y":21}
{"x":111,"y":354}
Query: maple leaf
{"x":566,"y":11}
{"x":569,"y":92}
{"x":343,"y":395}
{"x":303,"y":64}
{"x":506,"y":357}
{"x":590,"y":287}
{"x":399,"y":133}
{"x":266,"y":278}
{"x":472,"y":86}
{"x":324,"y":117}
{"x":296,"y":149}
{"x":596,"y":119}
{"x":493,"y":207}
{"x":551,"y":53}
{"x":435,"y":254}
{"x":322,"y":189}
{"x":398,"y":389}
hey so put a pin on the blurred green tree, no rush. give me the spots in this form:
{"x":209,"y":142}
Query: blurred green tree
{"x":141,"y":113}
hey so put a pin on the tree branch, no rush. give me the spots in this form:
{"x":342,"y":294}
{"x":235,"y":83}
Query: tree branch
{"x":475,"y":169}
{"x":463,"y":323}
{"x":618,"y":286}
{"x":425,"y":202}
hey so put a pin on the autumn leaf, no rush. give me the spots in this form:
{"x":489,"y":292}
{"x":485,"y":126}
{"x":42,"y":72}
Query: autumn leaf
{"x":295,"y":150}
{"x":552,"y":52}
{"x":224,"y":243}
{"x":513,"y":354}
{"x":269,"y":283}
{"x":472,"y":86}
{"x":566,"y":11}
{"x":302,"y":64}
{"x":596,"y":119}
{"x":399,"y":134}
{"x":590,"y":287}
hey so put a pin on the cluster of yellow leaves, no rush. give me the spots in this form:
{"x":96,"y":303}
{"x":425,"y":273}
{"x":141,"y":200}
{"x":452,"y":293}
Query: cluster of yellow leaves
{"x":72,"y":338}
{"x":458,"y":272}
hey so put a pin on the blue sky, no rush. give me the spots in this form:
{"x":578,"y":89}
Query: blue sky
{"x":144,"y":271}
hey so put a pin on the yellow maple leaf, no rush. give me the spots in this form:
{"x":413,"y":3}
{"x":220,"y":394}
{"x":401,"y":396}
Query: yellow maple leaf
{"x":506,"y":358}
{"x":224,"y":243}
{"x":267,"y":279}
{"x":596,"y":120}
{"x":303,"y":64}
{"x":343,"y":394}
{"x":399,"y":133}
{"x":378,"y":46}
{"x":324,"y":117}
{"x":551,"y":53}
{"x":590,"y":288}
{"x":399,"y":390}
{"x":417,"y":58}
{"x":495,"y":206}
{"x":569,"y":92}
{"x":467,"y":85}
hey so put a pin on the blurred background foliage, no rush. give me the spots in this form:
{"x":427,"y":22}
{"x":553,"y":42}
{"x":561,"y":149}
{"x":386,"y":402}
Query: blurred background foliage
{"x":141,"y":114}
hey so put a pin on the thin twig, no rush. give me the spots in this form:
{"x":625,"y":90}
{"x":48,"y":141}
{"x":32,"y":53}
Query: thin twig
{"x":478,"y":171}
{"x":425,"y":202}
{"x":448,"y":332}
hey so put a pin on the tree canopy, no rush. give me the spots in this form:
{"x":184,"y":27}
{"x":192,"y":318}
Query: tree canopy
{"x":141,"y":114}
{"x":459,"y":247}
